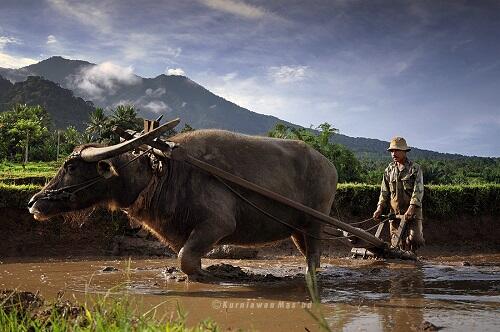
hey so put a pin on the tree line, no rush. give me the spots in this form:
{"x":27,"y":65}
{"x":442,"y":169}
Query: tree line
{"x":460,"y":171}
{"x":27,"y":133}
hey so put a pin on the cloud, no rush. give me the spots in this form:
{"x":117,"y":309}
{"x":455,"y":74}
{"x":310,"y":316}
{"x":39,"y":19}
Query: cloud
{"x":146,"y":47}
{"x":156,"y":106}
{"x":8,"y":61}
{"x":4,"y":40}
{"x":175,"y":72}
{"x":105,"y":78}
{"x":288,"y":74}
{"x":251,"y":92}
{"x":155,"y":93}
{"x":235,"y":7}
{"x":91,"y":13}
{"x":51,"y":39}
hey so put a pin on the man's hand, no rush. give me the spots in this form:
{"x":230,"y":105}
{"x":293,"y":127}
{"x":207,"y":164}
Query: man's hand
{"x":410,"y":213}
{"x":377,"y":213}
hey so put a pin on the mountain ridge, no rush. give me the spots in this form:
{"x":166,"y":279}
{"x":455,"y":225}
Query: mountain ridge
{"x":179,"y":96}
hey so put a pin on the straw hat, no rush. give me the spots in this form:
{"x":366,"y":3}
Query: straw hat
{"x":398,"y":143}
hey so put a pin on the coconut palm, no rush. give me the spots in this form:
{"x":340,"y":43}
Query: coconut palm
{"x":125,"y":116}
{"x":98,"y":125}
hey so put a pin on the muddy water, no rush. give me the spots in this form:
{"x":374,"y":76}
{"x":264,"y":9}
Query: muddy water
{"x":355,"y":295}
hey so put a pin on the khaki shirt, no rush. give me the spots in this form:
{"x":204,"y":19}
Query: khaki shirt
{"x":402,"y":188}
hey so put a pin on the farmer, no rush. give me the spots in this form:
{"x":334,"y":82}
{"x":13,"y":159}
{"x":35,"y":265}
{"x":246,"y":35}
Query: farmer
{"x":402,"y":189}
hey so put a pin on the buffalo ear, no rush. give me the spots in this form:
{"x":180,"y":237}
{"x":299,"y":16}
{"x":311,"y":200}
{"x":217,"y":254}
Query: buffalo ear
{"x":106,"y":169}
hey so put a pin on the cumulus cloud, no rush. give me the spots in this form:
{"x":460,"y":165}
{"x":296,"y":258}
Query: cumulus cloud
{"x":288,"y":74}
{"x":175,"y":72}
{"x":100,"y":80}
{"x":10,"y":61}
{"x":235,"y":7}
{"x":156,"y":106}
{"x":51,"y":39}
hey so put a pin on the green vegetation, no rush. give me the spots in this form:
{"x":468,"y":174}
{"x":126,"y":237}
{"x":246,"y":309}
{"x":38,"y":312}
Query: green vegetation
{"x":27,"y":134}
{"x":29,"y":173}
{"x":369,"y":170}
{"x":440,"y":201}
{"x":352,"y":199}
{"x":348,"y":167}
{"x":458,"y":171}
{"x":22,"y":311}
{"x":100,"y":126}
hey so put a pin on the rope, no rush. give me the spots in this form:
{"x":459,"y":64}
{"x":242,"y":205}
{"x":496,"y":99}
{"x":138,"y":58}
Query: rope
{"x":272,"y":216}
{"x":63,"y":192}
{"x":293,"y":227}
{"x":360,"y":222}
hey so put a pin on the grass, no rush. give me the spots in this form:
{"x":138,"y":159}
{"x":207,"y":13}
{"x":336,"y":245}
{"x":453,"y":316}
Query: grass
{"x":30,"y":173}
{"x":27,"y":312}
{"x":17,"y":184}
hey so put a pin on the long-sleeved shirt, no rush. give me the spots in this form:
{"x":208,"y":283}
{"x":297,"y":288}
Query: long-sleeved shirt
{"x":400,"y":188}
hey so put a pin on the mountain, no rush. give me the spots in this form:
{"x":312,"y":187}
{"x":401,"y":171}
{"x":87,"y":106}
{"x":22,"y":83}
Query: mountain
{"x":173,"y":96}
{"x":55,"y":69}
{"x":64,"y":108}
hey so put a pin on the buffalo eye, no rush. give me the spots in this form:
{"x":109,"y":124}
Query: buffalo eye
{"x":70,"y":168}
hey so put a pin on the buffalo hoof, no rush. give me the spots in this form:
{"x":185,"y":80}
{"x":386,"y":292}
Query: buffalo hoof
{"x":203,"y":276}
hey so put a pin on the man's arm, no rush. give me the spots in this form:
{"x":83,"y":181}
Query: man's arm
{"x":418,"y":189}
{"x":417,"y":195}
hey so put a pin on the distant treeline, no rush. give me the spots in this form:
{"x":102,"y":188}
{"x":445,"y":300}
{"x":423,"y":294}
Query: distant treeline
{"x":27,"y":133}
{"x":369,"y":170}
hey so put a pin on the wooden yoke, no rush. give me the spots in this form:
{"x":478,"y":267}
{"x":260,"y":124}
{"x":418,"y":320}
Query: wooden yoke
{"x":151,"y":124}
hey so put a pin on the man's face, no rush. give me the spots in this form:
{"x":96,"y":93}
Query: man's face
{"x":398,"y":156}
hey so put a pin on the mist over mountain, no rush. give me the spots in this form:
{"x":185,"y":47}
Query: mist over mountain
{"x":107,"y":85}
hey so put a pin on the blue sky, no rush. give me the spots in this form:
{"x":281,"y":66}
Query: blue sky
{"x":426,"y":70}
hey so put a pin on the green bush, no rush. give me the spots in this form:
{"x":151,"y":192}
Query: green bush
{"x":16,"y":196}
{"x":440,"y":201}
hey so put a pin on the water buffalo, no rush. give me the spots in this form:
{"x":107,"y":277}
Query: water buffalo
{"x":190,"y":210}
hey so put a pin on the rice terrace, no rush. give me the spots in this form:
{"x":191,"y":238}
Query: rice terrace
{"x":203,"y":199}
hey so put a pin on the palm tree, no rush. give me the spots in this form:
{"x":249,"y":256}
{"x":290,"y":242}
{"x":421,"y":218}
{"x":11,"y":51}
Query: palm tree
{"x":98,"y":125}
{"x":125,"y":116}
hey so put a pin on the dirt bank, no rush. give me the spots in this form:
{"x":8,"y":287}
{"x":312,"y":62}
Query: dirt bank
{"x":105,"y":233}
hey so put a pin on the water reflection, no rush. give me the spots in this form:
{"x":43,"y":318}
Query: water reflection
{"x":404,"y":308}
{"x":356,"y":295}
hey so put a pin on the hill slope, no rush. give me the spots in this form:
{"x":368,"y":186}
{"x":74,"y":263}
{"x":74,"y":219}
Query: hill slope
{"x":174,"y":96}
{"x":64,"y":108}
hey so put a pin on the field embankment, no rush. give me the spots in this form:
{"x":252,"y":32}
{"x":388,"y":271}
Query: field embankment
{"x":454,"y":216}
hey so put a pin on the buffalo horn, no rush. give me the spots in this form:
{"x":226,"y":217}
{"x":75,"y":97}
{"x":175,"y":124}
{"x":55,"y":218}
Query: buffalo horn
{"x":91,"y":154}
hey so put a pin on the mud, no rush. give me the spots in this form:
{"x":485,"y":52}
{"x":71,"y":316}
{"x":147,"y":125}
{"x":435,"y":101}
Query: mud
{"x":263,"y":294}
{"x":106,"y":234}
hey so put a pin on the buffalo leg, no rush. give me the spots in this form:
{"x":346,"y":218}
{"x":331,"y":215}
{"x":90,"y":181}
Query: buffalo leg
{"x":313,"y":254}
{"x":201,"y":240}
{"x":310,"y":248}
{"x":300,"y":243}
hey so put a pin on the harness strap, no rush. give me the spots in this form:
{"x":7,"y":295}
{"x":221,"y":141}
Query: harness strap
{"x":64,"y":193}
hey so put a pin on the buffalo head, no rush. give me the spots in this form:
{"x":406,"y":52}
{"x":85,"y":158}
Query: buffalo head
{"x":95,"y":175}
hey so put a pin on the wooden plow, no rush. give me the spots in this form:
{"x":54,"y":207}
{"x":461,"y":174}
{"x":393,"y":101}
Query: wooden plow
{"x":370,"y":245}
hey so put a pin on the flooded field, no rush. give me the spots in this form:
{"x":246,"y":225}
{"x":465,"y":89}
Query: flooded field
{"x":455,"y":293}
